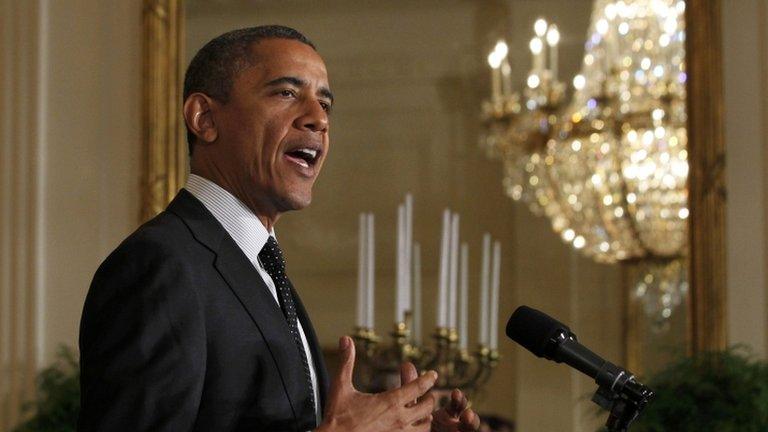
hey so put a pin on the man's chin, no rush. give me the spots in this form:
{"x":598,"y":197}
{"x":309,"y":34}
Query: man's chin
{"x":296,"y":201}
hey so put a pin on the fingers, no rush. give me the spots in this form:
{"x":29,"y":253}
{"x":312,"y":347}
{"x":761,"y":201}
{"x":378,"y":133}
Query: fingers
{"x":346,"y":370}
{"x":423,"y":425}
{"x":458,"y":402}
{"x":469,"y":421}
{"x":408,"y":373}
{"x":415,"y":388}
{"x":423,"y":408}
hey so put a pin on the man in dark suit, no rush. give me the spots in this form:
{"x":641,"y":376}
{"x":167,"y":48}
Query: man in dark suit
{"x":191,"y":324}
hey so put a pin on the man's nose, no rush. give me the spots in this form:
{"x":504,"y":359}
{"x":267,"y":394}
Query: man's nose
{"x":314,"y":118}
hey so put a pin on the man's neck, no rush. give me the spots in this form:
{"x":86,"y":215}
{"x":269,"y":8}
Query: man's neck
{"x":266,"y":217}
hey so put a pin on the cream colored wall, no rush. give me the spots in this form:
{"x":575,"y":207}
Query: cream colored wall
{"x":93,"y":142}
{"x":745,"y":53}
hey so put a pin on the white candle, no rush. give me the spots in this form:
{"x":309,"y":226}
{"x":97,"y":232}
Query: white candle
{"x":506,"y":78}
{"x":400,"y":284}
{"x":442,"y":289}
{"x":361,"y":278}
{"x":537,"y":45}
{"x":454,"y":271}
{"x":494,"y":325}
{"x":553,"y":61}
{"x":417,"y":293}
{"x":485,"y":270}
{"x":464,"y":297}
{"x":371,"y":271}
{"x":537,"y":49}
{"x":494,"y":61}
{"x":553,"y":38}
{"x":408,"y":248}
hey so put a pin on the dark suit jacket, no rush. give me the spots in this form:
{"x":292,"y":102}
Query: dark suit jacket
{"x":180,"y":333}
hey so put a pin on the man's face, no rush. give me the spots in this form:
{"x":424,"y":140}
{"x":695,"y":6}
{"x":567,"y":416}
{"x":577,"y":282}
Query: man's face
{"x":273,"y":130}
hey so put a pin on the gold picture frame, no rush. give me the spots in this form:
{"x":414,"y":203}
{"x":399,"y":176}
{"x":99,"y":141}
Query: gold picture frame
{"x":164,"y":167}
{"x":706,"y":179}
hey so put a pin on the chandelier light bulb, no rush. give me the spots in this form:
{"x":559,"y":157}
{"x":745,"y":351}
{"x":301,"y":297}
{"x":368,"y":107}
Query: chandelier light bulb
{"x":553,"y":35}
{"x":624,"y":28}
{"x":602,"y":27}
{"x":664,"y":40}
{"x":579,"y":242}
{"x":533,"y":81}
{"x":540,"y":27}
{"x":579,"y":82}
{"x":624,"y":10}
{"x":536,"y":45}
{"x":670,"y":24}
{"x":501,"y":49}
{"x":494,"y":60}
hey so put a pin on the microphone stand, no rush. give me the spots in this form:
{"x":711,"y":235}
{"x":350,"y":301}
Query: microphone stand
{"x":618,"y":391}
{"x":621,"y":395}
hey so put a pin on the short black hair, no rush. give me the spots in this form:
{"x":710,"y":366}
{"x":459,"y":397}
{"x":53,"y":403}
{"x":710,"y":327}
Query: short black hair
{"x":214,"y":68}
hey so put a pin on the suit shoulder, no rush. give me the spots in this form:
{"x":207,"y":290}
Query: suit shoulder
{"x":164,"y":236}
{"x":164,"y":231}
{"x":160,"y":245}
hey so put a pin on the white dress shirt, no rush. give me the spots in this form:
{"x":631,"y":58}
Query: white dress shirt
{"x":250,"y":235}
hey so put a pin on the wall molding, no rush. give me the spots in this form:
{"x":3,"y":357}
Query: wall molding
{"x":706,"y":181}
{"x":21,"y":219}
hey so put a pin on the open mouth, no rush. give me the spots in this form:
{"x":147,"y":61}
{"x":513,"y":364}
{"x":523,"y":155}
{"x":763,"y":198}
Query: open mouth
{"x":305,"y":157}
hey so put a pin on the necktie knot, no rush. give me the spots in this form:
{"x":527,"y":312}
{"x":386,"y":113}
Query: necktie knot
{"x":272,"y":258}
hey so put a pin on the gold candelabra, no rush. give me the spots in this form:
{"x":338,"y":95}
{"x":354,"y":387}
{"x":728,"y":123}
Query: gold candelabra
{"x":379,"y":364}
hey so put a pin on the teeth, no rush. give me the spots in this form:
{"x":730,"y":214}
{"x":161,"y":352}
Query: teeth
{"x":302,"y":163}
{"x":310,"y":152}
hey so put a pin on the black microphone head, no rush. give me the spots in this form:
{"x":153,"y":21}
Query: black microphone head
{"x":534,"y":330}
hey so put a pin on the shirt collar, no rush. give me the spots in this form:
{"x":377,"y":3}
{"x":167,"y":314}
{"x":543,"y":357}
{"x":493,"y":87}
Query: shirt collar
{"x":237,"y":219}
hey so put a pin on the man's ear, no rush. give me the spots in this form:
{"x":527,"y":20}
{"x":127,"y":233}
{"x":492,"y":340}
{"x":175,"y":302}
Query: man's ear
{"x":199,"y":117}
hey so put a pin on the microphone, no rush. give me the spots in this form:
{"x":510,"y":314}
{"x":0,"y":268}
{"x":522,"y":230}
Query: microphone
{"x":549,"y":338}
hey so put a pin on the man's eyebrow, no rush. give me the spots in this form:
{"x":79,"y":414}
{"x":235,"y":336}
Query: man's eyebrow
{"x":298,"y":82}
{"x":326,"y":93}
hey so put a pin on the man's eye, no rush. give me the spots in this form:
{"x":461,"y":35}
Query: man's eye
{"x":326,"y":106}
{"x":287,"y":93}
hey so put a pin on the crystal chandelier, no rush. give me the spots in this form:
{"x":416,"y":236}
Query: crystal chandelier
{"x":609,"y":168}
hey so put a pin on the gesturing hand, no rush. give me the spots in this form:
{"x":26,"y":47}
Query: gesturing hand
{"x":394,"y":410}
{"x":455,"y":416}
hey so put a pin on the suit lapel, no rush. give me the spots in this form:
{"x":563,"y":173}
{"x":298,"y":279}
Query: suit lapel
{"x":248,"y":286}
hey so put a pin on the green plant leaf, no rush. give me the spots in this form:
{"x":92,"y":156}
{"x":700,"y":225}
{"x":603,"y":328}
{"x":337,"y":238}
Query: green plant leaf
{"x":713,"y":391}
{"x":57,"y":402}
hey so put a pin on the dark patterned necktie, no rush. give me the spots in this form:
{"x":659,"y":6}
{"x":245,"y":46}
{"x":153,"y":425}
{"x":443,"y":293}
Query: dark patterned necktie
{"x":272,"y":259}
